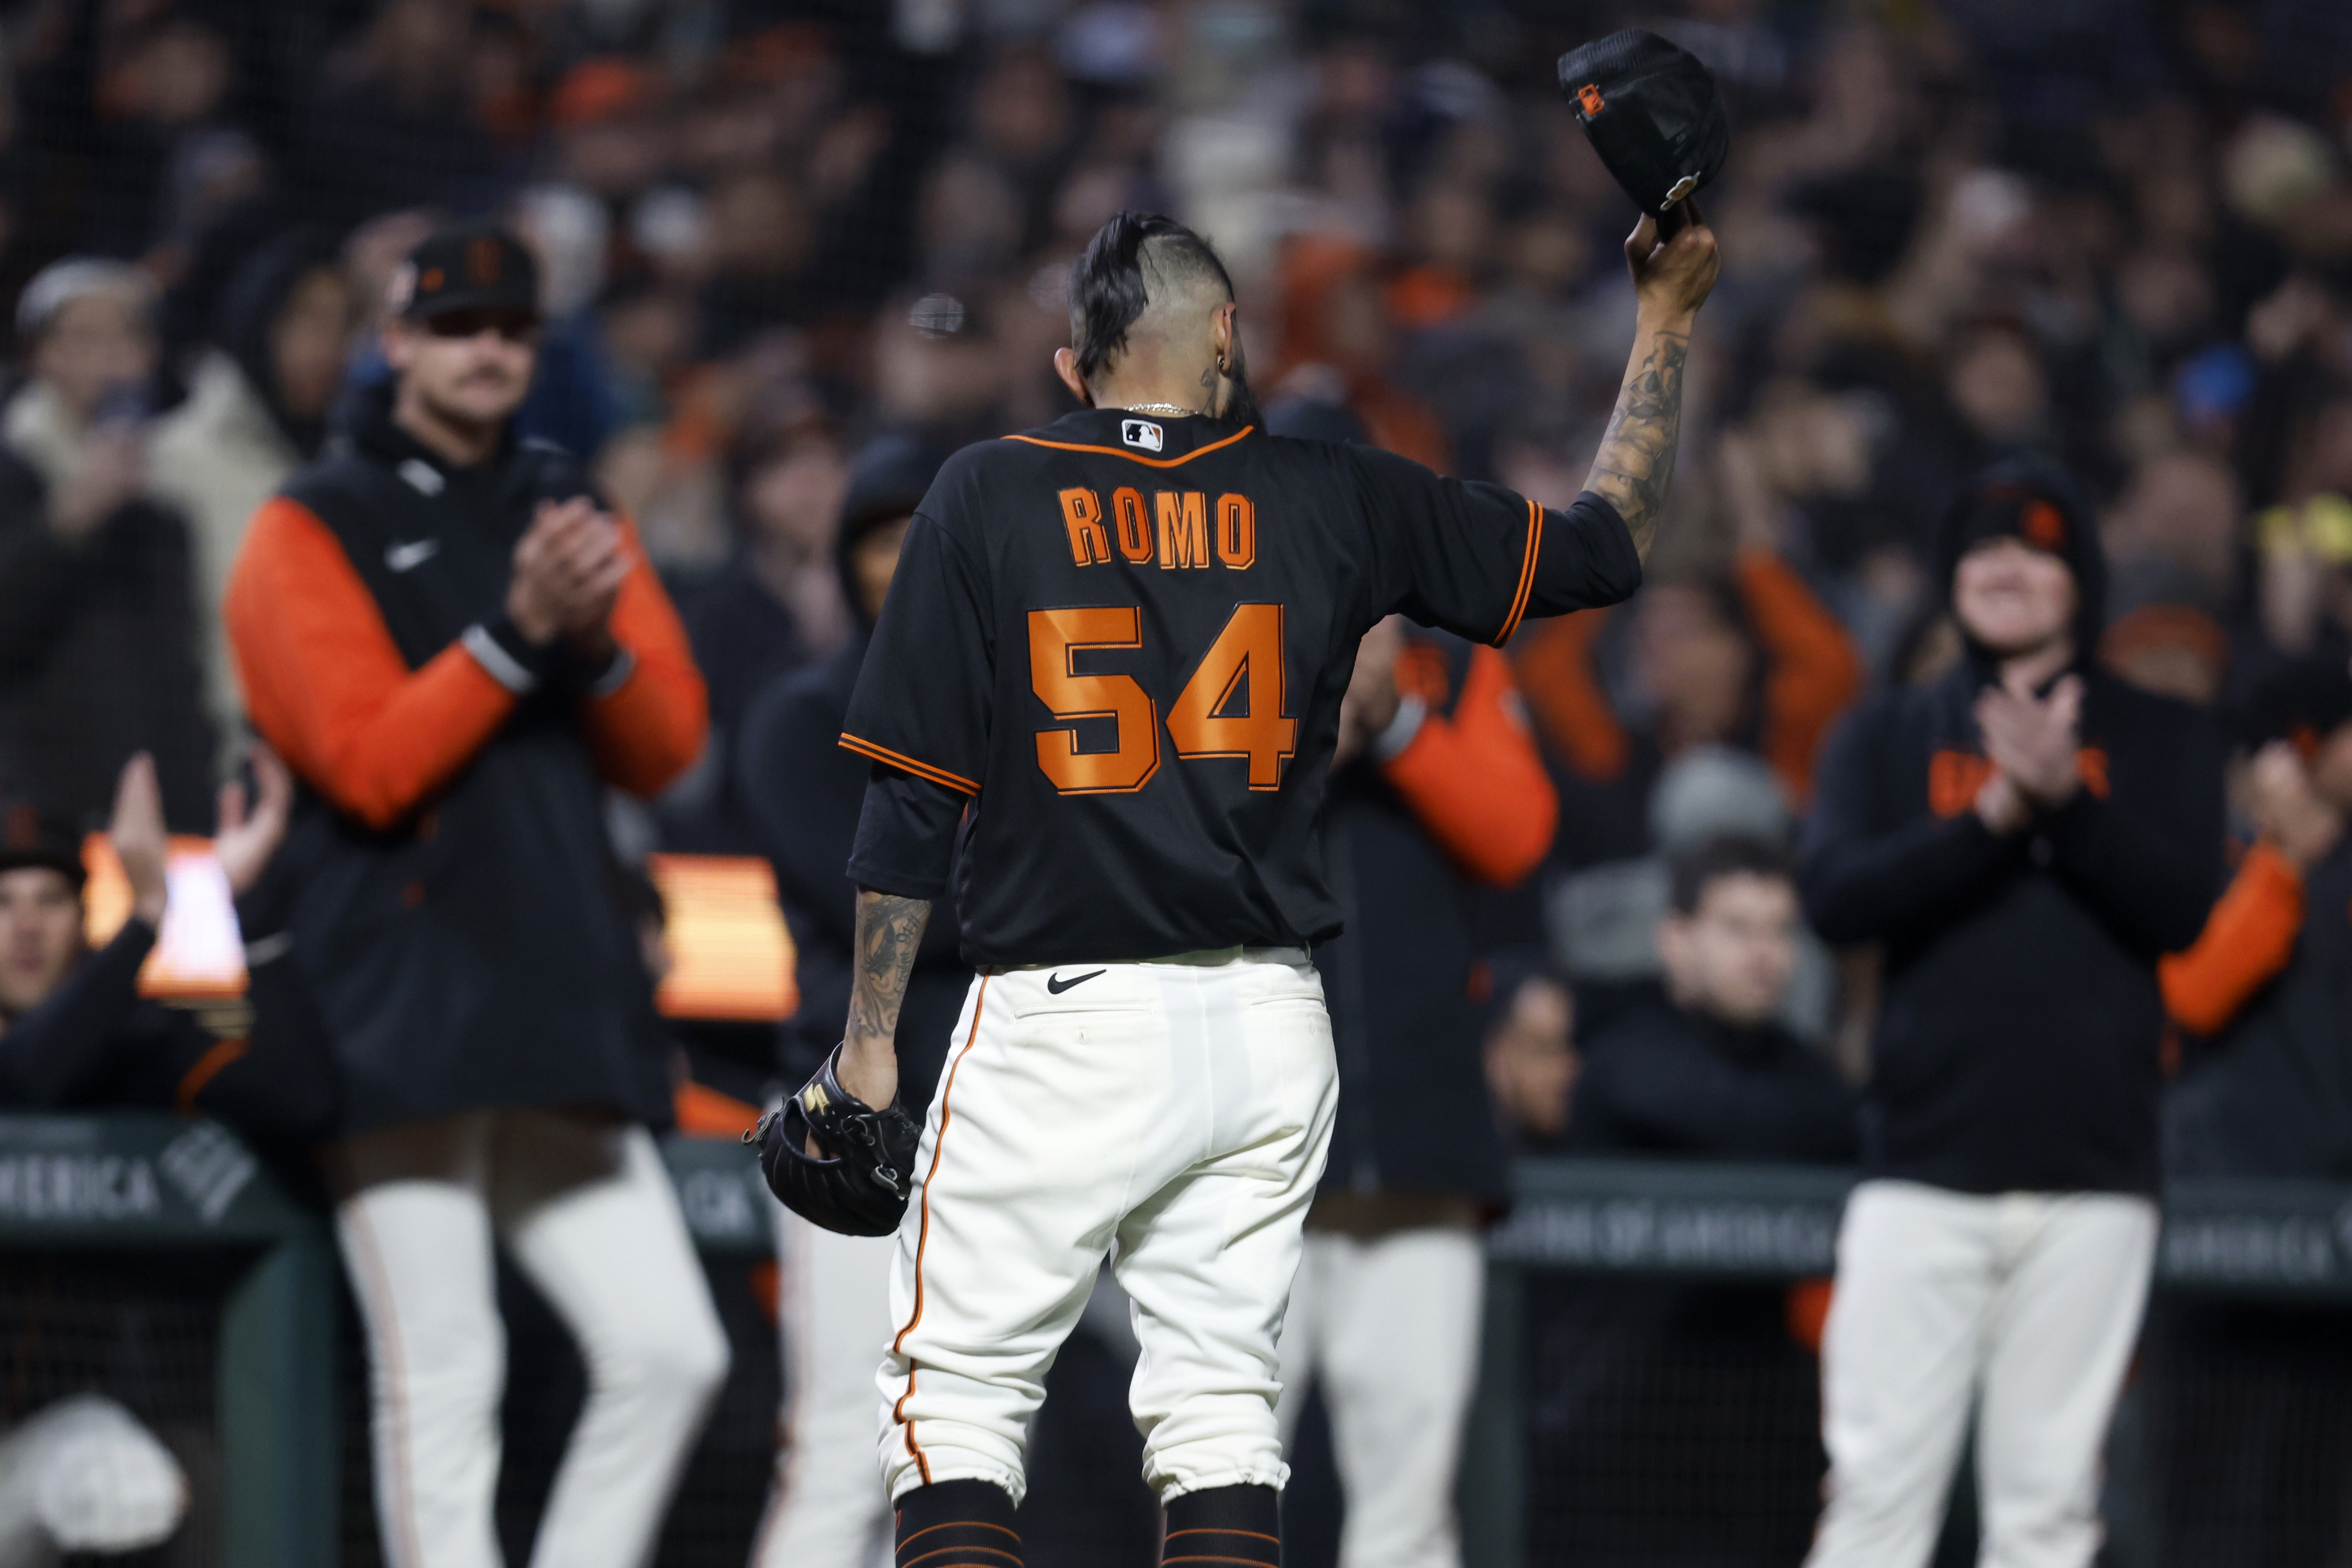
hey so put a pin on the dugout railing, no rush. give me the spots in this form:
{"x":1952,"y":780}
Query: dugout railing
{"x":167,"y":1192}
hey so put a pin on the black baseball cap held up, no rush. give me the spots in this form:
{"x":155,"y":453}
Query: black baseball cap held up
{"x":470,"y":266}
{"x":1651,"y":110}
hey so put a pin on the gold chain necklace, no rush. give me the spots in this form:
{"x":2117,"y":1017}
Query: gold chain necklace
{"x":1169,"y":409}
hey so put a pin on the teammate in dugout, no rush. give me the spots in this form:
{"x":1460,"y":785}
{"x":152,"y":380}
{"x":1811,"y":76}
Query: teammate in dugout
{"x":1107,"y":688}
{"x":457,"y":648}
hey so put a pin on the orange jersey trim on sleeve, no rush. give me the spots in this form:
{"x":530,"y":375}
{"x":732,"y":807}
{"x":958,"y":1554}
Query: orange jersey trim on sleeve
{"x":2248,"y":939}
{"x":1526,"y":575}
{"x":920,"y":770}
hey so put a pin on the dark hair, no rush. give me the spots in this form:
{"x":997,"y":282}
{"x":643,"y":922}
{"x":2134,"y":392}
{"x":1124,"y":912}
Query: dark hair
{"x":1106,"y":288}
{"x":1703,"y":865}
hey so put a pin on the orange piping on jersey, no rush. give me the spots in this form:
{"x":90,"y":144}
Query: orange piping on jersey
{"x":206,"y":1069}
{"x":1526,"y":575}
{"x":923,"y":1233}
{"x":1147,"y":462}
{"x":920,"y":770}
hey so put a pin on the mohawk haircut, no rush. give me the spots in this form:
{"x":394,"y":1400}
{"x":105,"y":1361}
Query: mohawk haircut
{"x":1131,"y":261}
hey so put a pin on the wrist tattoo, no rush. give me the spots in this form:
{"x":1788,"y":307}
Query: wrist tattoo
{"x":1636,"y":461}
{"x":889,"y":930}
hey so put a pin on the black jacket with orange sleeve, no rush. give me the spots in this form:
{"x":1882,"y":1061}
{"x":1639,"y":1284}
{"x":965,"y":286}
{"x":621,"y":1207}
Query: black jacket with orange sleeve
{"x":1411,"y":836}
{"x":457,"y":917}
{"x":2272,"y":978}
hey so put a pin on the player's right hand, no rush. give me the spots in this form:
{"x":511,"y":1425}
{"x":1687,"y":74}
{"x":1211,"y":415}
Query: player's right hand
{"x":1672,"y":275}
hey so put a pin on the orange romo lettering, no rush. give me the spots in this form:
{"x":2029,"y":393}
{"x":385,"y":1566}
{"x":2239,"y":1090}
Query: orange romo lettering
{"x":1183,"y":529}
{"x":1236,"y":532}
{"x":1082,"y":515}
{"x":1134,"y":528}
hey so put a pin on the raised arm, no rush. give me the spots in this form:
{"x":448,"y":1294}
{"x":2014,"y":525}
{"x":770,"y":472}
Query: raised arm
{"x":1635,"y":463}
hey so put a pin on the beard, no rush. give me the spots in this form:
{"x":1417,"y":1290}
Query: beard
{"x":1234,"y":400}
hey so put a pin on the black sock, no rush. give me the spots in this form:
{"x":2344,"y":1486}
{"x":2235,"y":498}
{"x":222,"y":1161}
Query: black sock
{"x":958,"y":1524}
{"x":1227,"y":1525}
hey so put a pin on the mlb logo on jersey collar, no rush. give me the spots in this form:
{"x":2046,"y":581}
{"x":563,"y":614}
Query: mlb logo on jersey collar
{"x":1141,"y":433}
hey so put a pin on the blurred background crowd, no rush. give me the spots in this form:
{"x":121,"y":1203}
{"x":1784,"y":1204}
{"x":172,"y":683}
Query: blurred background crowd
{"x":2117,"y":234}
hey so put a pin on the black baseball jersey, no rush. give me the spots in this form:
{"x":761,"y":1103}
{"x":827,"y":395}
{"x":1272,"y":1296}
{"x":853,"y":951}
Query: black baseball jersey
{"x":1126,"y":638}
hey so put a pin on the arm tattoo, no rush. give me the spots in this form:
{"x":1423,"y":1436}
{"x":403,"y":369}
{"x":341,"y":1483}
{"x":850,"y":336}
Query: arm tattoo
{"x":889,"y":929}
{"x":1636,"y":460}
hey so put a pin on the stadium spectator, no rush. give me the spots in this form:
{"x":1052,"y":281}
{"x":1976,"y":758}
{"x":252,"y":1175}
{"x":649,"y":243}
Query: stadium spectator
{"x":1749,"y":658}
{"x":777,"y":603}
{"x":74,"y":1030}
{"x":2263,"y":978}
{"x":98,"y":641}
{"x":255,"y":411}
{"x":454,"y":647}
{"x":802,"y":792}
{"x":1708,"y":1071}
{"x":1531,"y":1052}
{"x":2026,"y":837}
{"x":1436,"y":792}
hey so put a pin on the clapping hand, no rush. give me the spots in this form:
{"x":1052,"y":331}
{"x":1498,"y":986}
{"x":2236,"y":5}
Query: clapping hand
{"x":2287,"y":812}
{"x":2033,"y":742}
{"x":568,"y":572}
{"x":140,"y":844}
{"x":246,"y":838}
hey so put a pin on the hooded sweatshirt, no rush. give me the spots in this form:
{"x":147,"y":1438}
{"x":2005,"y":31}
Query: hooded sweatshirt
{"x":2017,"y":1046}
{"x":225,"y":450}
{"x":801,"y":793}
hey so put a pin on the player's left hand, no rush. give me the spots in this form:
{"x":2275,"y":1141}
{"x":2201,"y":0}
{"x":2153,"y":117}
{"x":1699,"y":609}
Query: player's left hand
{"x":835,"y":1160}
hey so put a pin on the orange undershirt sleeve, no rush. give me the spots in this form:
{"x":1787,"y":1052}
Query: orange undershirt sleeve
{"x":327,"y":686}
{"x":1553,"y":664}
{"x":649,"y":728}
{"x":1813,"y":672}
{"x":1475,"y":780}
{"x":2247,"y":940}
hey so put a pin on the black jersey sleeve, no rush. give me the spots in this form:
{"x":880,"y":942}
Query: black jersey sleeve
{"x":921,"y":704}
{"x":1477,"y":559}
{"x":905,"y":836}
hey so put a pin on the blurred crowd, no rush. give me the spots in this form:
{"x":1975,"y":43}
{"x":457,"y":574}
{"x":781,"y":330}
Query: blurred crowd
{"x":2111,"y":234}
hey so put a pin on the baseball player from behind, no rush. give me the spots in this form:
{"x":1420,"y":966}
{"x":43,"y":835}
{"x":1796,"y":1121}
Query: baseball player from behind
{"x":1105,"y":689}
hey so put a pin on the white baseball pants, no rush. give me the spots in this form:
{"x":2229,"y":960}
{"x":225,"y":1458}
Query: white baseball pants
{"x":1391,"y":1326}
{"x":828,"y":1509}
{"x":585,"y":1208}
{"x":1173,"y":1115}
{"x":2028,"y":1303}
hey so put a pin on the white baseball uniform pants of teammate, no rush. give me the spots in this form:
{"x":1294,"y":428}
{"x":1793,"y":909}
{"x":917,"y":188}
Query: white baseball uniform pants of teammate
{"x":585,"y":1208}
{"x":827,"y":1509}
{"x":1173,"y":1115}
{"x":1390,"y":1327}
{"x":2027,"y":1303}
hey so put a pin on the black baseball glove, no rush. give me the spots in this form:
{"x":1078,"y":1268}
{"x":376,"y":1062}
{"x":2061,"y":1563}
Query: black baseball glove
{"x":860,"y":1189}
